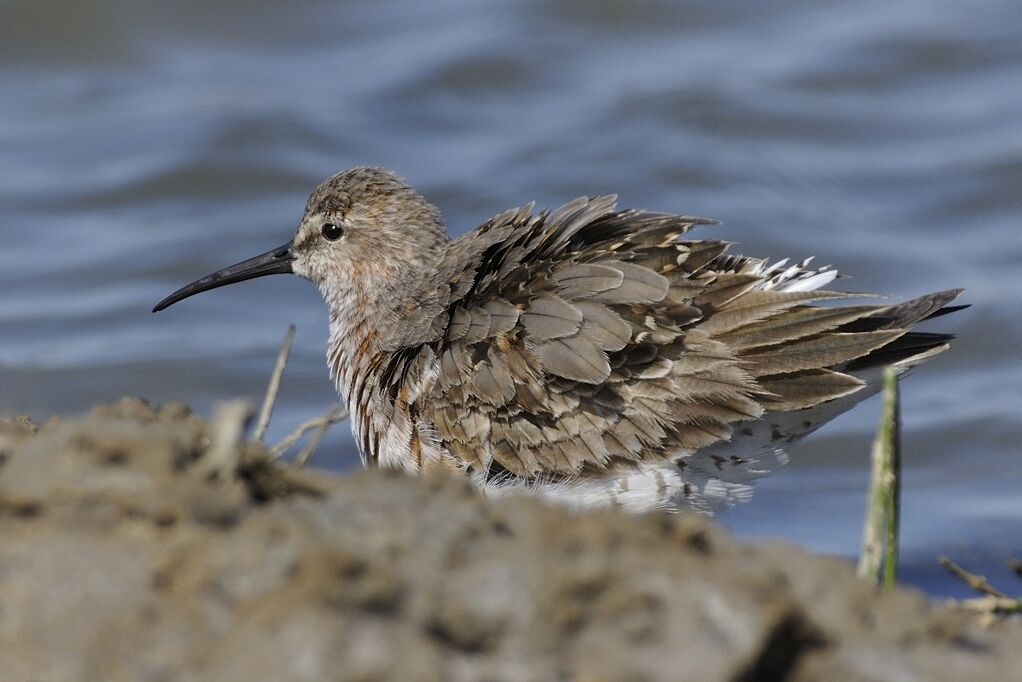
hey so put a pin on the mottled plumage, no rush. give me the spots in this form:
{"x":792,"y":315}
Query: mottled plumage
{"x":588,"y":354}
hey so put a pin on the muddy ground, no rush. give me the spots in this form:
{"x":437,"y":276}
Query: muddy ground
{"x":142,"y":544}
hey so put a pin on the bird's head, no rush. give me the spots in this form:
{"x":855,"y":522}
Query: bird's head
{"x":364,"y":230}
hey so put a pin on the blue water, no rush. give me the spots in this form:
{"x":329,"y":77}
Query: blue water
{"x":143,"y":145}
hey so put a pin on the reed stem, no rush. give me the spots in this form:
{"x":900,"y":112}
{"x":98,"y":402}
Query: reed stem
{"x":878,"y":560}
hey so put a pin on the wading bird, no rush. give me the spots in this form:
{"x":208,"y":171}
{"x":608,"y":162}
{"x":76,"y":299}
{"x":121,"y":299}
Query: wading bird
{"x":588,"y":354}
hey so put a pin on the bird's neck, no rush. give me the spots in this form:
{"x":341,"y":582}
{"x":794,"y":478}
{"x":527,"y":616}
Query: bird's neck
{"x":354,"y":341}
{"x":352,"y":353}
{"x":369,"y":323}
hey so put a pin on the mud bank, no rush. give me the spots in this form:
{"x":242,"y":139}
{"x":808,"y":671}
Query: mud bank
{"x":142,"y":544}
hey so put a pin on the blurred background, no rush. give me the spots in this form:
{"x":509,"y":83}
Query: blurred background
{"x":143,"y":145}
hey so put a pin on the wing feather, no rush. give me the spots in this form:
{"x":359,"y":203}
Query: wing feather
{"x":551,"y":317}
{"x":589,"y":341}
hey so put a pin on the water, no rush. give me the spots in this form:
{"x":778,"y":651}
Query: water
{"x":143,"y":145}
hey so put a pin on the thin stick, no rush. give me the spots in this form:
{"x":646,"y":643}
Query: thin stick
{"x":332,"y":417}
{"x":975,"y":582}
{"x":878,"y":560}
{"x":271,"y":390}
{"x":991,"y":604}
{"x":310,"y":448}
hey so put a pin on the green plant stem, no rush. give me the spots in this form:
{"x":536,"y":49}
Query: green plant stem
{"x":878,"y":561}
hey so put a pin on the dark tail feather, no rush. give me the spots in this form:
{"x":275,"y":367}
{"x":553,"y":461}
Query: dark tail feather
{"x":947,"y":309}
{"x":902,"y":348}
{"x":906,"y":314}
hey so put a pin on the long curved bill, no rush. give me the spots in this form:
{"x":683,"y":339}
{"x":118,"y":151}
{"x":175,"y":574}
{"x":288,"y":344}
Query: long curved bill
{"x":273,"y":262}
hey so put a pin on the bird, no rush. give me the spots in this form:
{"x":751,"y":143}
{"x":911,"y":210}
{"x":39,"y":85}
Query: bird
{"x":589,"y":355}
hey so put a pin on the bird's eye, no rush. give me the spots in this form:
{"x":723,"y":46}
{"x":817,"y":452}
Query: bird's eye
{"x":332,"y":232}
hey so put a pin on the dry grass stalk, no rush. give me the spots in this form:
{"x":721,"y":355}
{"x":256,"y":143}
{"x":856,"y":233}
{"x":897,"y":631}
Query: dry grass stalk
{"x":977,"y":583}
{"x":310,"y":448}
{"x":993,"y":603}
{"x":274,"y":386}
{"x":335,"y":415}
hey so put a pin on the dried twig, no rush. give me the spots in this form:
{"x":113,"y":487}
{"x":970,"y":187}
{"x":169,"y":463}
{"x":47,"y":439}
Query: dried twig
{"x":992,"y":604}
{"x":878,"y":560}
{"x":271,"y":389}
{"x":320,"y":423}
{"x":332,"y":417}
{"x":975,"y":582}
{"x":310,"y":448}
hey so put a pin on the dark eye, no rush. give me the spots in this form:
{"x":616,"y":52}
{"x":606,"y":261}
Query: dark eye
{"x":332,"y":232}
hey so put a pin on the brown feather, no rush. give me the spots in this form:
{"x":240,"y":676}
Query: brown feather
{"x":793,"y":324}
{"x":807,"y":389}
{"x":551,"y":317}
{"x":825,"y":350}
